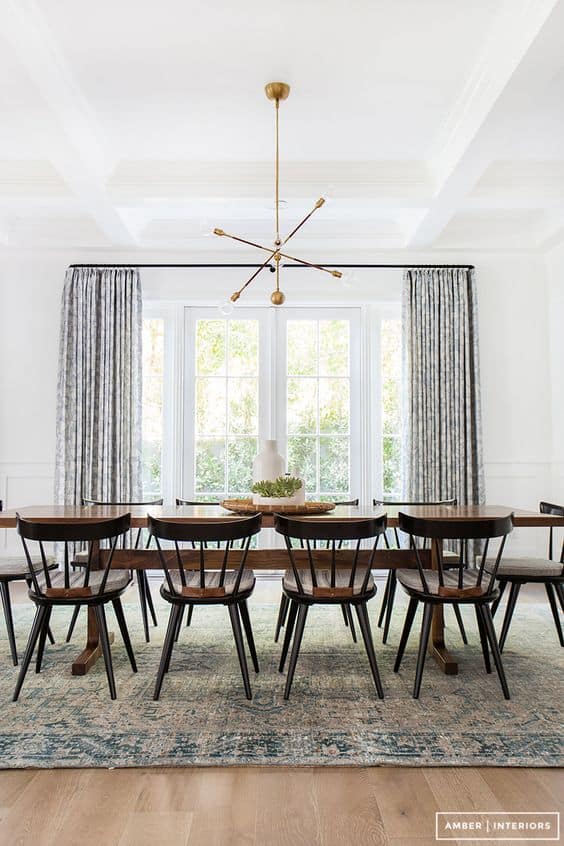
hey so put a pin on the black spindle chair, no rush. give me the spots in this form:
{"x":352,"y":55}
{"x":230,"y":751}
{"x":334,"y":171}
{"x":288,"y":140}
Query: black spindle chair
{"x":464,"y":585}
{"x":230,"y":585}
{"x":520,"y":571}
{"x":94,"y":588}
{"x":285,"y":603}
{"x":388,"y":598}
{"x":13,"y":568}
{"x":353,"y":586}
{"x":145,"y":598}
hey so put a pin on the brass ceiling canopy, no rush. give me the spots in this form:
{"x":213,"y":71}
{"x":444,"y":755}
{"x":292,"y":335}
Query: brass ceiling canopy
{"x":275,"y":91}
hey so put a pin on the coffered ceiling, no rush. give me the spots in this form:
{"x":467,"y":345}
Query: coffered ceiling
{"x":435,"y":124}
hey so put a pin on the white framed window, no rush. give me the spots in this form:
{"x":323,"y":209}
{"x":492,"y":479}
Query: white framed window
{"x":227,"y":400}
{"x":324,"y":381}
{"x":318,"y":398}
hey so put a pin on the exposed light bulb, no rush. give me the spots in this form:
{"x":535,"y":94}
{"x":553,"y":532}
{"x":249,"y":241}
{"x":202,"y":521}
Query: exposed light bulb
{"x":226,"y":308}
{"x":328,"y":192}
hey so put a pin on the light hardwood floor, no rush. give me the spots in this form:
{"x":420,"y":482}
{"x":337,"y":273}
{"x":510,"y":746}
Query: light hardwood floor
{"x":252,"y":806}
{"x":328,"y":806}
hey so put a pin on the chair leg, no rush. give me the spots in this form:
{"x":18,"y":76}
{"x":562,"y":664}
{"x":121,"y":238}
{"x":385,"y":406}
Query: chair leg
{"x":409,"y":617}
{"x":345,"y":615}
{"x":42,"y":639}
{"x":351,"y":622}
{"x":106,"y":651}
{"x":496,"y":652}
{"x":7,"y":605}
{"x":385,"y":599}
{"x":364,"y":623}
{"x":238,"y":635}
{"x":513,"y":594}
{"x":72,"y":624}
{"x":120,"y":617}
{"x":300,"y":625}
{"x":292,"y":613}
{"x":244,"y":612}
{"x":50,"y":635}
{"x":178,"y":625}
{"x":483,"y":638}
{"x":149,"y":596}
{"x":425,"y":631}
{"x":554,"y":608}
{"x":282,"y":612}
{"x":168,"y":645}
{"x":390,"y":605}
{"x":502,"y":586}
{"x":459,"y":620}
{"x":30,"y":649}
{"x":560,"y":593}
{"x":141,"y":587}
{"x":189,"y":614}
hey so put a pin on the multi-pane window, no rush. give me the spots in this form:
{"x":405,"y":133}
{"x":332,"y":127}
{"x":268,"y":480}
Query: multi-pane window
{"x":390,"y":341}
{"x":295,"y":374}
{"x":318,"y":408}
{"x":153,"y":371}
{"x":226,"y":406}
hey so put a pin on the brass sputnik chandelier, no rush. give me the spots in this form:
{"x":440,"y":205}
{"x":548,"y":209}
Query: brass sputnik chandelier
{"x":275,"y":91}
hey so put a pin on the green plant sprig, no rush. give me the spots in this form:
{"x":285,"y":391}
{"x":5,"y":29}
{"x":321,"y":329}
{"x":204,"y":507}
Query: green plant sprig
{"x":283,"y":486}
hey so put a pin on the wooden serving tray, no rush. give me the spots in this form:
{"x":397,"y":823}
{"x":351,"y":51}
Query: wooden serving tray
{"x":245,"y":506}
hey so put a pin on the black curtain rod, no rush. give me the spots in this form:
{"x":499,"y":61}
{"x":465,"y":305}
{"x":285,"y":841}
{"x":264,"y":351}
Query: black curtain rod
{"x":271,"y":267}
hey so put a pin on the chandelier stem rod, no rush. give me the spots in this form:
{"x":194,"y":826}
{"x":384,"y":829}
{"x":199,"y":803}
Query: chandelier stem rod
{"x":277,"y":173}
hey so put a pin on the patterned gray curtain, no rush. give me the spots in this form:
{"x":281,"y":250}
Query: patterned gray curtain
{"x":99,"y":388}
{"x":443,"y":425}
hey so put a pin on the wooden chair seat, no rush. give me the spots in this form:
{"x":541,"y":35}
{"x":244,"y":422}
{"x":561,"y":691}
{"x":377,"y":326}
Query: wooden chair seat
{"x":117,"y":580}
{"x":342,"y":581}
{"x":16,"y":567}
{"x":411,"y":581}
{"x":192,"y":578}
{"x":527,"y":568}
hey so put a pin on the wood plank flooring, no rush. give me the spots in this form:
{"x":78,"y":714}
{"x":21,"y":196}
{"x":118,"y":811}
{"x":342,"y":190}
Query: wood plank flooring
{"x":249,"y":806}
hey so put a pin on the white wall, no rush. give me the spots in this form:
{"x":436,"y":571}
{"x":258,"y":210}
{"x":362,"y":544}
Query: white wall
{"x":520,"y":404}
{"x":555,"y":269}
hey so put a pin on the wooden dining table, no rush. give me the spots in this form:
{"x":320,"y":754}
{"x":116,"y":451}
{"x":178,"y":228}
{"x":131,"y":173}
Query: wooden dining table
{"x":265,"y":557}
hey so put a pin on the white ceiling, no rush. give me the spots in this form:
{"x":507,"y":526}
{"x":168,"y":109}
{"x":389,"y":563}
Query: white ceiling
{"x":135,"y":124}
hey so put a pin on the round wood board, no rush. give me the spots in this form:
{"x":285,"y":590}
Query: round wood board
{"x":245,"y":506}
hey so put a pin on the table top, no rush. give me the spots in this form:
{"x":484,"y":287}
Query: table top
{"x":215,"y":513}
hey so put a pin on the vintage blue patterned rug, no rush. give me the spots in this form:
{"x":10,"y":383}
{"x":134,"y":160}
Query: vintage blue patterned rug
{"x":332,"y":718}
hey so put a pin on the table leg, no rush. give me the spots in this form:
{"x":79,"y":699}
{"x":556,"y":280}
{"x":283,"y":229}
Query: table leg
{"x":93,"y":649}
{"x":437,"y":645}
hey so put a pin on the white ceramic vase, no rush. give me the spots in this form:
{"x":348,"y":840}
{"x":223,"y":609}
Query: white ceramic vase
{"x":268,"y":464}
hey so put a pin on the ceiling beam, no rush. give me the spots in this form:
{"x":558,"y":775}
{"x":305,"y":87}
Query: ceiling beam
{"x":79,"y":155}
{"x":464,"y":144}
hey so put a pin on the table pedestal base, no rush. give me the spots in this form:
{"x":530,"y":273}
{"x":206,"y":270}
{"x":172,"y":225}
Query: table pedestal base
{"x":93,"y":650}
{"x":437,"y":646}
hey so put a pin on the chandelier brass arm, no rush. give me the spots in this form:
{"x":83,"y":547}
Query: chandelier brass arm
{"x":336,"y":273}
{"x":276,"y":91}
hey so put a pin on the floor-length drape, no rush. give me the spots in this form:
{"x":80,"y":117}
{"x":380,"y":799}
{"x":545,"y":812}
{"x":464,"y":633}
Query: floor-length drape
{"x":99,"y":386}
{"x":443,"y":426}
